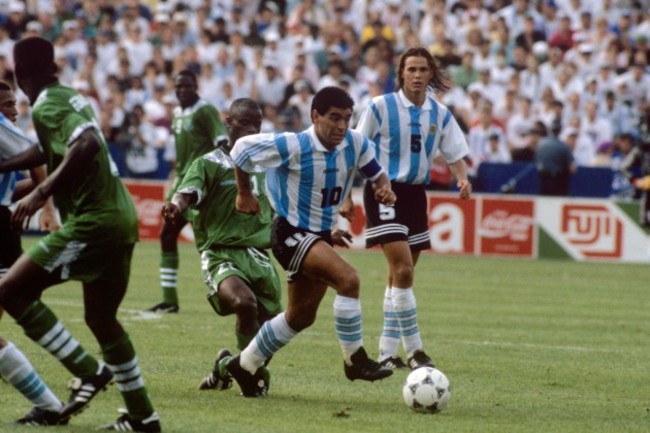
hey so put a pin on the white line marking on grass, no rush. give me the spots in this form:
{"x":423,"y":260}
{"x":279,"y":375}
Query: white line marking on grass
{"x":533,"y":346}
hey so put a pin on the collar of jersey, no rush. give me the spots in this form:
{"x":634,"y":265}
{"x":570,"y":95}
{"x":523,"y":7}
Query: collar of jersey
{"x":407,"y":103}
{"x":319,"y":146}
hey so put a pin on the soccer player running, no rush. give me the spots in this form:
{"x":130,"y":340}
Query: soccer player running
{"x":235,"y":266}
{"x":15,"y":368}
{"x":407,"y":128}
{"x":197,"y":129}
{"x":309,"y":174}
{"x":94,"y":245}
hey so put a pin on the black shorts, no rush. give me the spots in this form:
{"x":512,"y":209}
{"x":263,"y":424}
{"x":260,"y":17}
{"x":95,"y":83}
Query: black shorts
{"x":9,"y":240}
{"x":290,"y":244}
{"x":406,"y":221}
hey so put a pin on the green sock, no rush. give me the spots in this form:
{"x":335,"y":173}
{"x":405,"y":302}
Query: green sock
{"x":169,"y":276}
{"x":243,"y":339}
{"x":121,"y":359}
{"x":41,"y":325}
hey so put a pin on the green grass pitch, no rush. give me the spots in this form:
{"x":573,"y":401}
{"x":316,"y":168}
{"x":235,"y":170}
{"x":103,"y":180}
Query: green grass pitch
{"x":529,"y":346}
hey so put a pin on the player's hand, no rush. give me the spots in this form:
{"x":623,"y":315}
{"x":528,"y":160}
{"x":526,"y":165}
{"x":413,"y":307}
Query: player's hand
{"x":341,"y":238}
{"x":642,"y":183}
{"x":465,"y":189}
{"x":170,"y":212}
{"x":385,"y":195}
{"x":247,"y":203}
{"x":347,"y":209}
{"x":49,"y":222}
{"x":26,"y":207}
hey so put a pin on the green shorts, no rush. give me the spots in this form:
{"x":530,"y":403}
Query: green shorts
{"x":251,"y":265}
{"x":81,"y":259}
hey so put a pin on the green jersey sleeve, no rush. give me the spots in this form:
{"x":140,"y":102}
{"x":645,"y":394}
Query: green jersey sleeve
{"x":210,"y":122}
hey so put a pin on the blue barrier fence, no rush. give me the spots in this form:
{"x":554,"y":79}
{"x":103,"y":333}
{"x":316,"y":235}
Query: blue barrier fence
{"x":521,"y":178}
{"x":516,"y":177}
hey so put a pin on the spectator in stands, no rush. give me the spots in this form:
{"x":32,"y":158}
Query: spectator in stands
{"x":447,"y":57}
{"x":16,"y":23}
{"x":465,"y":74}
{"x":270,"y":86}
{"x":555,"y":163}
{"x":636,"y":167}
{"x":583,"y":153}
{"x":481,"y":146}
{"x":637,"y":81}
{"x":132,"y":14}
{"x":620,"y":115}
{"x":597,"y":128}
{"x":486,"y":87}
{"x":242,"y":82}
{"x":549,"y":69}
{"x":516,"y":13}
{"x":529,"y":35}
{"x":531,"y":78}
{"x":518,"y":127}
{"x":301,"y":101}
{"x":484,"y":57}
{"x":141,"y":153}
{"x":563,"y":36}
{"x":505,"y":108}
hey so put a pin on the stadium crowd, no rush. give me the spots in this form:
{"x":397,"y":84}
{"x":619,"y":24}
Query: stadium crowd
{"x":514,"y":66}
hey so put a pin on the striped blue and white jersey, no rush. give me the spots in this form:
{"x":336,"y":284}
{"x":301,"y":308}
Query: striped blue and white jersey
{"x":407,"y":137}
{"x":12,"y":142}
{"x":306,"y":183}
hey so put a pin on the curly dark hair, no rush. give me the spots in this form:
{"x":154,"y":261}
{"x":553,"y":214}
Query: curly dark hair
{"x":329,"y":97}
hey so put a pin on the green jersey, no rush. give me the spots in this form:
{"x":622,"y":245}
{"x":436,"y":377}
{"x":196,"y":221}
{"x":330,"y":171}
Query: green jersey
{"x":99,"y":206}
{"x":217,"y":222}
{"x":196,"y":132}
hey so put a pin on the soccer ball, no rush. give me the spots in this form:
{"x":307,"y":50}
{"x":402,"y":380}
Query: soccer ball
{"x":426,"y":390}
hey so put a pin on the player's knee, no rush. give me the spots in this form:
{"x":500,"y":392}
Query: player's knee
{"x":245,"y":306}
{"x":349,"y":284}
{"x":301,"y":321}
{"x":105,"y":330}
{"x":402,"y":272}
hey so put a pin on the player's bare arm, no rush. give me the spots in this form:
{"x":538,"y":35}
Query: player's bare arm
{"x":383,"y":192}
{"x":246,"y":201}
{"x":76,"y":163}
{"x":30,"y":158}
{"x":48,"y":220}
{"x":459,"y":170}
{"x":172,"y":211}
{"x":347,"y":208}
{"x":342,"y":238}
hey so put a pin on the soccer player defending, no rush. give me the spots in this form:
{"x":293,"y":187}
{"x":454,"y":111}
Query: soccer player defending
{"x":94,"y":245}
{"x":235,"y":266}
{"x":309,"y":174}
{"x":15,"y":368}
{"x":408,"y":127}
{"x":197,"y":129}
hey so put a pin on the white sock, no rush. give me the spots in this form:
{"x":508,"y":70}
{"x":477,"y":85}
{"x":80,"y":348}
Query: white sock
{"x":18,"y":371}
{"x":127,"y":375}
{"x":272,"y":336}
{"x":390,"y":335}
{"x":347,"y":319}
{"x":404,"y":304}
